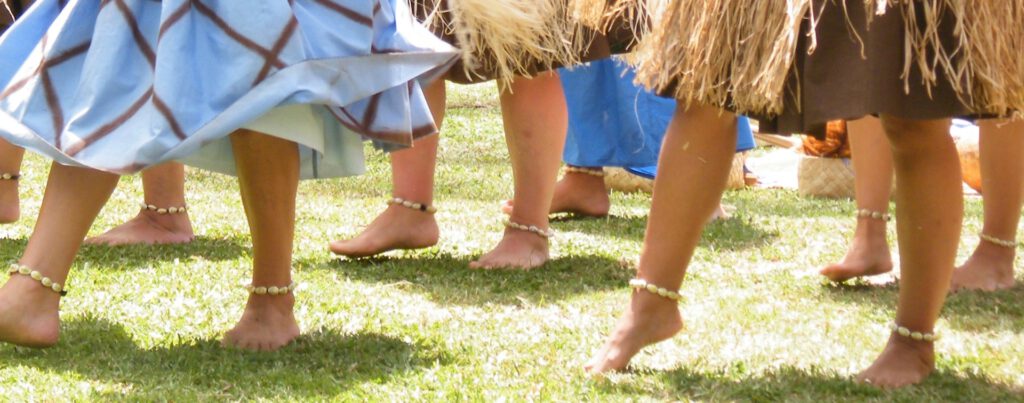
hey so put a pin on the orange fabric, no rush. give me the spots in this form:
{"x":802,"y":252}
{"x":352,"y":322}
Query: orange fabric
{"x":835,"y":145}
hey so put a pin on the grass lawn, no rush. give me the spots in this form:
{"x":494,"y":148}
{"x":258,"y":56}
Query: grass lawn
{"x":144,"y":322}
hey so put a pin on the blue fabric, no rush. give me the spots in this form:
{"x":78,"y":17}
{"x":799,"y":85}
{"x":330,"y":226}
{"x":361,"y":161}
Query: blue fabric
{"x":128,"y":84}
{"x":744,"y":142}
{"x":614,"y":122}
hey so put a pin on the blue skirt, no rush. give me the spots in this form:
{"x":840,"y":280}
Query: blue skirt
{"x":120,"y":85}
{"x":614,"y":122}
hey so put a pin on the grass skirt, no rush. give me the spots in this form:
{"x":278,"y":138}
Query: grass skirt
{"x":508,"y":38}
{"x":763,"y":57}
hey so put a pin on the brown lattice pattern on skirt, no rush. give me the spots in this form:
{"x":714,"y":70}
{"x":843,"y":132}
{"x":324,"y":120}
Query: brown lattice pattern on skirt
{"x":271,"y":62}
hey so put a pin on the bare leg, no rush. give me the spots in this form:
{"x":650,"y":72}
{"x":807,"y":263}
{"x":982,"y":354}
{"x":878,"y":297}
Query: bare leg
{"x":693,"y":169}
{"x":412,"y":178}
{"x":929,"y":210}
{"x":268,"y":175}
{"x":990,"y":267}
{"x":74,"y":196}
{"x":164,"y":186}
{"x":10,"y":163}
{"x":536,"y":121}
{"x":868,"y":254}
{"x":577,"y":193}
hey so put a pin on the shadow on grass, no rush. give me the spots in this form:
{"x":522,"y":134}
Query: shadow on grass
{"x":215,"y":249}
{"x":627,"y":227}
{"x":448,"y":280}
{"x":811,"y":385}
{"x":965,"y":310}
{"x":320,"y":364}
{"x":736,"y":233}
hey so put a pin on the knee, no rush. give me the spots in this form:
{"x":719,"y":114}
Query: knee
{"x":911,"y":136}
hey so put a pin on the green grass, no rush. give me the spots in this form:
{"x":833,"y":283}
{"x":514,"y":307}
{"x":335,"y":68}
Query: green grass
{"x":143,"y":322}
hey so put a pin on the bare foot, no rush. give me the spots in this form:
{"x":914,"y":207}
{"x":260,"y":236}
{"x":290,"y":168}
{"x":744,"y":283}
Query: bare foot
{"x":267,"y":324}
{"x":396,"y":228}
{"x":517,"y":250}
{"x":903,"y":362}
{"x":577,"y":193}
{"x":990,"y":268}
{"x":721,"y":213}
{"x":148,"y":227}
{"x":648,"y":320}
{"x":10,"y":205}
{"x":868,"y":254}
{"x":29,"y":313}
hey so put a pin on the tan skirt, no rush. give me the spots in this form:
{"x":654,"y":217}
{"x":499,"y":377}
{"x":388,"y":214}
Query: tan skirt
{"x":529,"y":37}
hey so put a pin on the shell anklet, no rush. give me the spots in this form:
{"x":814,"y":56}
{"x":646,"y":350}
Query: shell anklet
{"x":9,"y":176}
{"x":919,"y":336}
{"x":642,"y":285}
{"x":1006,"y":243}
{"x":163,"y":210}
{"x":426,"y":208}
{"x":877,"y":215}
{"x":579,"y":170}
{"x":37,"y":276}
{"x":546,"y":234}
{"x":271,"y":290}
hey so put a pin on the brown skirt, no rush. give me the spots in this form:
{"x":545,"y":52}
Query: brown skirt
{"x":594,"y":46}
{"x":8,"y":13}
{"x":796,"y":65}
{"x":854,"y":71}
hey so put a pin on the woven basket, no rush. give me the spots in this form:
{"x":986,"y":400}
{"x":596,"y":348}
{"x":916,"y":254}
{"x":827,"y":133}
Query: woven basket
{"x":825,"y":177}
{"x":619,"y":179}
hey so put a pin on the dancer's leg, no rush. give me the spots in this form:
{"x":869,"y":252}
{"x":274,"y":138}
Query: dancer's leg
{"x":74,"y":196}
{"x":578,"y":193}
{"x":412,"y":178}
{"x":868,"y":253}
{"x":164,"y":187}
{"x":692,"y":174}
{"x":10,"y":163}
{"x":536,"y":121}
{"x":929,"y":210}
{"x":990,"y":267}
{"x":268,"y":175}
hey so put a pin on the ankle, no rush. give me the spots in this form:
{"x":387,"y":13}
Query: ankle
{"x":526,"y":237}
{"x":30,"y":290}
{"x":177,"y":222}
{"x":993,"y":251}
{"x":923,"y":350}
{"x":282,"y":304}
{"x":869,"y":229}
{"x":652,"y":304}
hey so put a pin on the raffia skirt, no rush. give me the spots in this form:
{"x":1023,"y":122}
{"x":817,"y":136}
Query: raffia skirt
{"x":796,"y":68}
{"x":503,"y":39}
